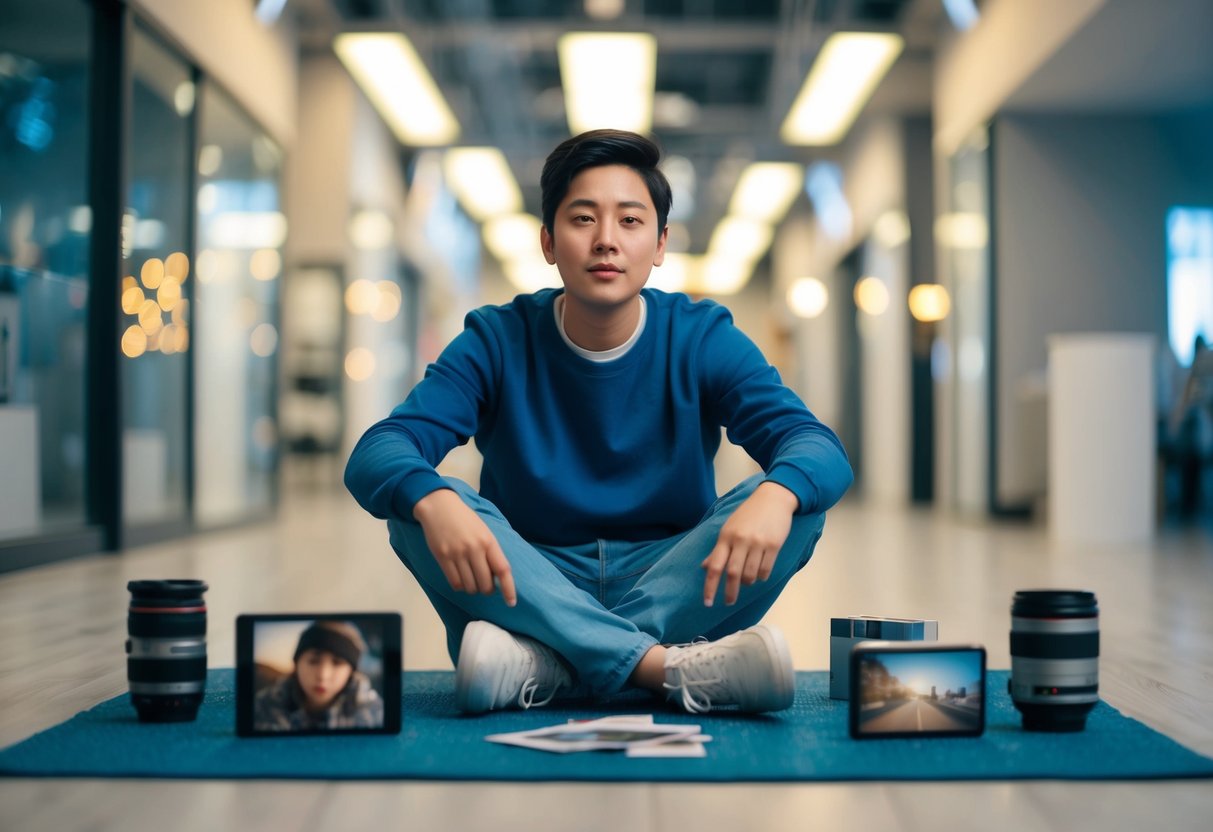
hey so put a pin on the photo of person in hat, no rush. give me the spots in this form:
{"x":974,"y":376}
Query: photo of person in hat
{"x":325,"y":690}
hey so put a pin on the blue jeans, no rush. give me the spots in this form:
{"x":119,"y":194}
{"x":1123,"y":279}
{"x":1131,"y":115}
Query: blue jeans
{"x":603,"y":605}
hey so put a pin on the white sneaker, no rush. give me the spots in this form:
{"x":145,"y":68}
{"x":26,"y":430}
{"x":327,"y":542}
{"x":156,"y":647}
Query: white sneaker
{"x":751,"y":669}
{"x":498,"y":669}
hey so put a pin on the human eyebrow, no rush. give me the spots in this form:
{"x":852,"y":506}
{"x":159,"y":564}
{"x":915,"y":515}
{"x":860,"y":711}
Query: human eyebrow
{"x":589,"y":203}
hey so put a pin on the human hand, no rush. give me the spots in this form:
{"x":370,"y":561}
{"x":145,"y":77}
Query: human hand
{"x":749,"y":542}
{"x":465,"y":549}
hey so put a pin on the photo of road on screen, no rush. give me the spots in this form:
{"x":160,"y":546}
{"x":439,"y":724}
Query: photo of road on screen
{"x":919,"y":692}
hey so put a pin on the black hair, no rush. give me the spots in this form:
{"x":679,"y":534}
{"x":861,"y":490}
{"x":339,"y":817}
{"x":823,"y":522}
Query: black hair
{"x":597,"y":148}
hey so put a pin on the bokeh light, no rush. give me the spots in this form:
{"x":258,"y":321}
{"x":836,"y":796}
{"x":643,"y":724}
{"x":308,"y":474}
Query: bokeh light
{"x":134,"y":342}
{"x":263,"y":340}
{"x":808,"y":297}
{"x":132,"y":300}
{"x":152,"y":273}
{"x":360,"y":364}
{"x":177,"y":266}
{"x":265,"y":264}
{"x":149,"y":317}
{"x":871,"y":296}
{"x":361,"y":297}
{"x":387,"y":306}
{"x":169,"y":294}
{"x":929,"y":302}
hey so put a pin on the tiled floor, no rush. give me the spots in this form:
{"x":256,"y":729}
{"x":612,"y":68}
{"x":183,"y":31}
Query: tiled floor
{"x":62,"y":629}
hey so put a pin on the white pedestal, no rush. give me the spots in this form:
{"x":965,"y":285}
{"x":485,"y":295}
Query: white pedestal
{"x":20,"y":477}
{"x":144,"y":474}
{"x":1101,"y":437}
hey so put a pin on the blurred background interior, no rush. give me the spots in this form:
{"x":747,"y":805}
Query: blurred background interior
{"x":972,"y":234}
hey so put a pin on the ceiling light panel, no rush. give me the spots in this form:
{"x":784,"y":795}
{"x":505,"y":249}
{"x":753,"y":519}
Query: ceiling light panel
{"x":482,"y":180}
{"x":394,"y":78}
{"x":513,"y":236}
{"x":740,"y":238}
{"x":608,"y":80}
{"x":842,"y":79}
{"x":766,"y":190}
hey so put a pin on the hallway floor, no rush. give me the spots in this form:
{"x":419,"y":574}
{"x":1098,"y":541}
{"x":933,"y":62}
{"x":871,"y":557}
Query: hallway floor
{"x":62,"y":630}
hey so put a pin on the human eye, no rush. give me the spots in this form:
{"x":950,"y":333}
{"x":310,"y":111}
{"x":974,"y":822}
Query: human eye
{"x":631,"y":220}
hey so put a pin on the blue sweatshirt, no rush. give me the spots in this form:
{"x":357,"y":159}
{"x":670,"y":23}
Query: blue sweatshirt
{"x":576,"y":450}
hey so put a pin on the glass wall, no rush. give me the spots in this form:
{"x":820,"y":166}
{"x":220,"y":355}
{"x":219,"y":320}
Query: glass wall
{"x":156,"y":287}
{"x":1189,"y":279}
{"x":963,"y":234}
{"x":241,"y":230}
{"x":45,"y":224}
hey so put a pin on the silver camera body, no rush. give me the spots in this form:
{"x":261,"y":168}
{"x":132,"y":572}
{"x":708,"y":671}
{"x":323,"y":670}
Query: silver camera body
{"x":845,"y":633}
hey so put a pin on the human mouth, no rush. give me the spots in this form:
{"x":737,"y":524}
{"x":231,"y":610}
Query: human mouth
{"x":605,"y":270}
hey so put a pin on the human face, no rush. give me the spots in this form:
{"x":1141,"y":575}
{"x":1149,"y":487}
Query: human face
{"x":322,"y":675}
{"x":604,"y":239}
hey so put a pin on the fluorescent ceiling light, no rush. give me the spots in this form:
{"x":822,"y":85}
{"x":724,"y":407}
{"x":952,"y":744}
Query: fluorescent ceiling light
{"x":842,"y":79}
{"x":530,"y":274}
{"x":396,"y":81}
{"x":678,"y":272}
{"x":483,"y":181}
{"x":766,"y":190}
{"x":608,"y":80}
{"x":724,"y":275}
{"x":513,"y":236}
{"x":740,"y":238}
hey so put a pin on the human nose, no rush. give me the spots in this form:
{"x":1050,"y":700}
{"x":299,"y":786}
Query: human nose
{"x":604,"y":241}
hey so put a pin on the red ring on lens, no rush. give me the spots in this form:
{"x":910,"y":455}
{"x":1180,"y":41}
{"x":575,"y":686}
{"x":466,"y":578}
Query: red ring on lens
{"x":168,"y":609}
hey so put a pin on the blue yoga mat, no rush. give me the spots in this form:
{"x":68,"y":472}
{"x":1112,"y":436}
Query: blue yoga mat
{"x":807,"y":742}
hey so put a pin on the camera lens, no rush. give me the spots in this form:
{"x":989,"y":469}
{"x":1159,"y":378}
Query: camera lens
{"x":1054,"y":658}
{"x":166,"y":651}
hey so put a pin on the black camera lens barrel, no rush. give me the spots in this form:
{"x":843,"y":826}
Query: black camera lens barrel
{"x":166,"y":649}
{"x":1054,"y":658}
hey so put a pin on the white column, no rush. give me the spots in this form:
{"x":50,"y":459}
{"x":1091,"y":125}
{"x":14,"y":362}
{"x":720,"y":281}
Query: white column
{"x":1101,"y":437}
{"x":20,"y":481}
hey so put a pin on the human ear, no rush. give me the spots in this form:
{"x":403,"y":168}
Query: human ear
{"x":659,"y":257}
{"x":548,"y":245}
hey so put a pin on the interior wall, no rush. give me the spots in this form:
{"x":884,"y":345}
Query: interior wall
{"x":318,"y":170}
{"x":978,"y":70}
{"x":376,"y":184}
{"x":874,"y":177}
{"x":1079,"y":213}
{"x":873,"y":173}
{"x":350,"y":162}
{"x":814,"y":372}
{"x":885,"y":380}
{"x":256,"y":63}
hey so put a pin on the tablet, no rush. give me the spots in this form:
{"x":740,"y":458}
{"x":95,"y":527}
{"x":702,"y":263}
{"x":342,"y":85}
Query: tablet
{"x":917,"y":689}
{"x":308,"y":674}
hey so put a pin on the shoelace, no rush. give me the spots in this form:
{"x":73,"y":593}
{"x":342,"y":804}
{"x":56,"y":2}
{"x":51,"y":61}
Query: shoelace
{"x":530,"y":684}
{"x":687,"y":684}
{"x":526,"y":696}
